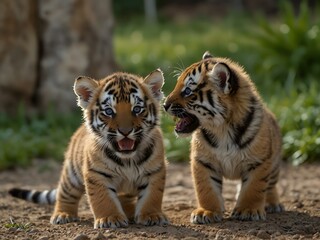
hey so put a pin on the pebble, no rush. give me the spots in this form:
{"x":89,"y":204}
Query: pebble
{"x":263,"y":234}
{"x":277,"y":234}
{"x":81,"y":237}
{"x":43,"y":238}
{"x":100,"y":236}
{"x":33,"y":231}
{"x":316,"y":235}
{"x":220,"y":235}
{"x":253,"y":232}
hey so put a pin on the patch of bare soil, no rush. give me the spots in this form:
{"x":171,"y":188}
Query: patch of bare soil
{"x":299,"y":189}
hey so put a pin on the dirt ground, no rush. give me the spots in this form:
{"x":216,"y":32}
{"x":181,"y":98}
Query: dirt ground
{"x":299,"y":189}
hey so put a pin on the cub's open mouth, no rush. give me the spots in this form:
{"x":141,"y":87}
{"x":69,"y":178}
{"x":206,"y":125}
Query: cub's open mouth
{"x":126,"y":145}
{"x":187,"y":123}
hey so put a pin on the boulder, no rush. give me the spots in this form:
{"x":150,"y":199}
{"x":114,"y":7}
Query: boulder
{"x":18,"y":54}
{"x":75,"y":39}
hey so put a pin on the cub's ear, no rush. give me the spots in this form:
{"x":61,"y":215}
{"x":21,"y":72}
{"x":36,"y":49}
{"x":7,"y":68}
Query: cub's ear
{"x":155,"y":82}
{"x":222,"y":75}
{"x":85,"y":88}
{"x":206,"y":55}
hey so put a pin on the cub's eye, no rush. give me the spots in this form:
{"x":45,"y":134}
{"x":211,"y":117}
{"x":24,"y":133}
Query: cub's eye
{"x":109,"y":111}
{"x":187,"y":91}
{"x":137,"y":109}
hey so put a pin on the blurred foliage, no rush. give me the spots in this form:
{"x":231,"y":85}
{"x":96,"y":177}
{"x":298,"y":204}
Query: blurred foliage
{"x":25,"y":138}
{"x":141,"y":48}
{"x":299,"y":117}
{"x":287,"y":67}
{"x":281,"y":55}
{"x":290,"y":48}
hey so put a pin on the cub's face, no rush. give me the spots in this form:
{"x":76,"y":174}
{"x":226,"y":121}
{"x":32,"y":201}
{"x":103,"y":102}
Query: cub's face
{"x":122,"y":109}
{"x":201,"y":95}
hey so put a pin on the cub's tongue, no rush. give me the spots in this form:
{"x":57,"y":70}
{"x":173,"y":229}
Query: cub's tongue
{"x":126,"y":144}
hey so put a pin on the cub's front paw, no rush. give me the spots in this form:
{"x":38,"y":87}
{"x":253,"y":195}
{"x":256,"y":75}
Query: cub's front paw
{"x":62,"y":218}
{"x":247,"y":214}
{"x":113,"y":221}
{"x":203,"y":216}
{"x":152,"y":219}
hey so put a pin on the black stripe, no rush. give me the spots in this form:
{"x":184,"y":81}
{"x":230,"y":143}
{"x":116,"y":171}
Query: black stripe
{"x":200,"y":86}
{"x":75,"y":174}
{"x":112,"y":189}
{"x":210,"y":138}
{"x":149,"y":173}
{"x":106,"y":175}
{"x":113,"y":157}
{"x":91,"y":116}
{"x":19,"y":193}
{"x":133,"y":84}
{"x":194,"y":71}
{"x":211,"y":112}
{"x":66,"y":191}
{"x":109,"y":86}
{"x":206,"y":165}
{"x":209,"y":97}
{"x":244,"y":179}
{"x":219,"y":181}
{"x":241,"y":129}
{"x":142,"y":187}
{"x":146,"y":154}
{"x":92,"y":181}
{"x":253,"y":166}
{"x":78,"y":187}
{"x":265,"y":178}
{"x":272,"y":183}
{"x":200,"y":96}
{"x":206,"y":64}
{"x":153,"y":110}
{"x":35,"y":197}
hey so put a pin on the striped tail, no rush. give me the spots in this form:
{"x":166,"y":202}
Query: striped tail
{"x":40,"y":197}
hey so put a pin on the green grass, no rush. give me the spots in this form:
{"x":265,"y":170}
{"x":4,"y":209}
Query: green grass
{"x":18,"y":226}
{"x":288,"y":88}
{"x":25,"y":138}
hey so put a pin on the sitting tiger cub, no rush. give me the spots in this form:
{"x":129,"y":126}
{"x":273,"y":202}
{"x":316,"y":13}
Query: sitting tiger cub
{"x":234,"y":136}
{"x":116,"y":157}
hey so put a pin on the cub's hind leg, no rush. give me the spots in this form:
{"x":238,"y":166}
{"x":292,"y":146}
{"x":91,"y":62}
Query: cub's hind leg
{"x":208,"y":185}
{"x":69,"y":192}
{"x":251,"y":201}
{"x":273,"y":204}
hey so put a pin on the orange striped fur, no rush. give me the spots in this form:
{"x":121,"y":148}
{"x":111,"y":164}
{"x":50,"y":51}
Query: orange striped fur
{"x":116,"y":157}
{"x":234,"y":136}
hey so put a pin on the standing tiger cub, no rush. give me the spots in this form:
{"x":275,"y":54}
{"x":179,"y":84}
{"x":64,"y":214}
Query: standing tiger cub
{"x":116,"y":157}
{"x":234,"y":136}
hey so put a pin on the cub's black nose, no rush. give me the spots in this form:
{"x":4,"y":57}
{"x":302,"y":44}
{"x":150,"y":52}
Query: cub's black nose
{"x":166,"y":106}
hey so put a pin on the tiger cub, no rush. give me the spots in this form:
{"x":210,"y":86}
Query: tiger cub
{"x":234,"y":136}
{"x":118,"y":150}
